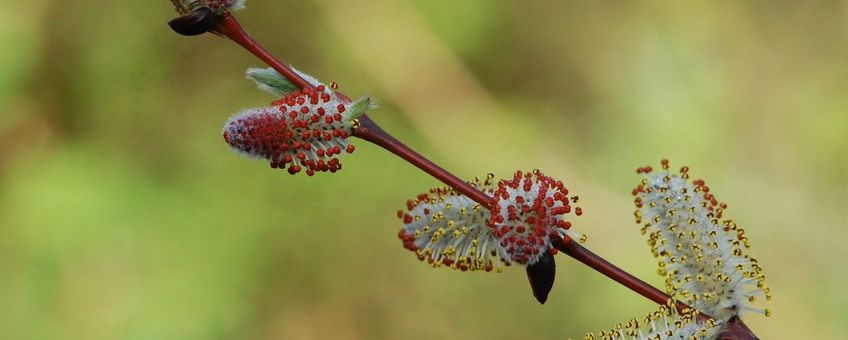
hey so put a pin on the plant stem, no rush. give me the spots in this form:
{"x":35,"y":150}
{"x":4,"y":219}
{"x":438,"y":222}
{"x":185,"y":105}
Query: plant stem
{"x":230,"y":27}
{"x":370,"y":131}
{"x":587,"y":257}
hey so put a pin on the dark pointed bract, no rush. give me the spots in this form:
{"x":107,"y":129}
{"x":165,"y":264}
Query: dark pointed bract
{"x":196,"y":22}
{"x":541,"y":275}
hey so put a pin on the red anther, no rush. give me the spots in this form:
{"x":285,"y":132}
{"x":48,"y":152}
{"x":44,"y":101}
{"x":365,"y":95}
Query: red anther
{"x":320,"y":88}
{"x":349,"y":148}
{"x":337,"y":117}
{"x":539,"y":232}
{"x":341,"y":108}
{"x":578,"y":211}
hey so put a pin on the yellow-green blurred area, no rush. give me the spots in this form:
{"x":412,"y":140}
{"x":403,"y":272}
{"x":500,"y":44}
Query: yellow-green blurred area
{"x":124,"y":215}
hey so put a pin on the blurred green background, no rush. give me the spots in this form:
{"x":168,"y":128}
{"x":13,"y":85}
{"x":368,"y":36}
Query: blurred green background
{"x":123,"y":214}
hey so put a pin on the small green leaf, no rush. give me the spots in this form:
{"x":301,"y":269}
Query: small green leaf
{"x":269,"y":80}
{"x":359,"y":107}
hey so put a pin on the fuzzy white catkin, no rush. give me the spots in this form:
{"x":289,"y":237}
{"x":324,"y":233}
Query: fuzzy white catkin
{"x":702,"y":256}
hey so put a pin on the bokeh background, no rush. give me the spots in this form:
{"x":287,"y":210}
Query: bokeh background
{"x":123,"y":215}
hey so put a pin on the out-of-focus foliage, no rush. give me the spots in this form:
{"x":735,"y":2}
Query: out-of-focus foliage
{"x":123,"y":215}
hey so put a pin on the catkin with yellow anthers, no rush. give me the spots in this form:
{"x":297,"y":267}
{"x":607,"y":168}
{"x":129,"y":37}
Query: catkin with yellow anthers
{"x":686,"y":225}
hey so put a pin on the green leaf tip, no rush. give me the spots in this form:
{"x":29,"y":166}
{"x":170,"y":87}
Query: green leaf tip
{"x":358,"y":108}
{"x":269,"y":80}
